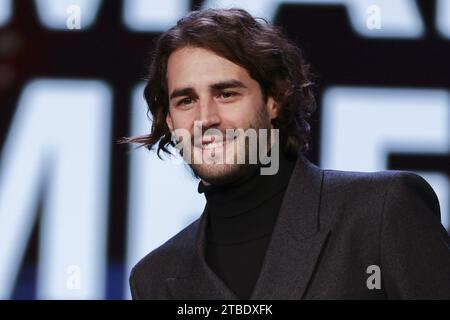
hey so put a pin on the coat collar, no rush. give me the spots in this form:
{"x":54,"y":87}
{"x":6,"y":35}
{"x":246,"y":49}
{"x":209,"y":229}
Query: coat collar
{"x":291,"y":256}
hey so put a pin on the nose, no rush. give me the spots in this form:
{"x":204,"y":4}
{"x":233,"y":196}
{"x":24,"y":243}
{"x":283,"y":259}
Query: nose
{"x":208,"y":115}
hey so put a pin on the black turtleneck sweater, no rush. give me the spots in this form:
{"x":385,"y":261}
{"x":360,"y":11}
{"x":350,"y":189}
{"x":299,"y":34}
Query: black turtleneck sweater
{"x":241,"y":217}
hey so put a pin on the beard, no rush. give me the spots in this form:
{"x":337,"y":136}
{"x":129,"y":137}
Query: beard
{"x":238,"y":154}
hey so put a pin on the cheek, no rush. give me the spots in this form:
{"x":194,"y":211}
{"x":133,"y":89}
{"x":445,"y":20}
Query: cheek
{"x":244,"y":113}
{"x":182,"y":120}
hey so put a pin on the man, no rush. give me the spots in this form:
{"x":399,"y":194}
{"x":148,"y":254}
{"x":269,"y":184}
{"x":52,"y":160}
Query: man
{"x":297,"y":232}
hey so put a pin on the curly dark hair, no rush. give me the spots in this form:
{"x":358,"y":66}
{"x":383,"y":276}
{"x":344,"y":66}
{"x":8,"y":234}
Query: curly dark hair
{"x":262,"y":49}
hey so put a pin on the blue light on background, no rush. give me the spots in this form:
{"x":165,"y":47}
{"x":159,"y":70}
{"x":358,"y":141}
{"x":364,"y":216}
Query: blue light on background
{"x":399,"y":18}
{"x":443,"y":17}
{"x":153,"y":15}
{"x":54,"y":14}
{"x":59,"y":142}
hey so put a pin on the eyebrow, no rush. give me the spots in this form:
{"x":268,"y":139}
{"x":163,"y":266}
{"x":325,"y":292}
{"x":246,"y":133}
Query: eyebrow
{"x":226,"y":84}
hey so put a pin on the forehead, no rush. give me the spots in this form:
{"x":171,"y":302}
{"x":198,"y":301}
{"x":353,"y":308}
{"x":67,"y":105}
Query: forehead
{"x":191,"y":66}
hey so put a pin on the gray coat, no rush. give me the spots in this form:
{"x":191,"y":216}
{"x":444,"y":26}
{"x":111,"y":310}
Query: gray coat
{"x":334,"y":230}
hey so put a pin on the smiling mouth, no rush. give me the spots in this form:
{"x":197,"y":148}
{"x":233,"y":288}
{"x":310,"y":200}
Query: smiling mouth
{"x":216,"y":144}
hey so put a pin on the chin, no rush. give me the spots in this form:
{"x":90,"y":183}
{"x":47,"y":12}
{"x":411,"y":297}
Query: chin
{"x":217,"y":174}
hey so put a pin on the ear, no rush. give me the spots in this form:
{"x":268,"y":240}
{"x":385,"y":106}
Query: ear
{"x":272,"y":108}
{"x":169,"y":121}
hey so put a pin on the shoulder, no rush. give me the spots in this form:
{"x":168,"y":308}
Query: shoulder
{"x":368,"y":178}
{"x":162,"y":262}
{"x":376,"y":184}
{"x":390,"y":219}
{"x":371,"y":197}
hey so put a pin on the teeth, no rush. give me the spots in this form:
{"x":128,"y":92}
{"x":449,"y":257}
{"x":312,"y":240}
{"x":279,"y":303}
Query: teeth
{"x":215,"y":144}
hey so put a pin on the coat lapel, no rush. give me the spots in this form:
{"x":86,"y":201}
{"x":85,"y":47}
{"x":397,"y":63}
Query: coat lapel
{"x":297,"y":239}
{"x":196,"y":280}
{"x":291,"y":256}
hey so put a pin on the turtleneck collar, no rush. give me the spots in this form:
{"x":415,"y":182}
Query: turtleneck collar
{"x":247,"y":208}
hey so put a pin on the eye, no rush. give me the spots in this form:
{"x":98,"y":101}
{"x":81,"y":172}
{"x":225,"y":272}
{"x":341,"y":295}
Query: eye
{"x":185,"y":102}
{"x":228,"y":94}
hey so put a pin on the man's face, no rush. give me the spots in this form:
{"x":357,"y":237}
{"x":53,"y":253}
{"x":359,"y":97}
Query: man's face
{"x":211,"y":92}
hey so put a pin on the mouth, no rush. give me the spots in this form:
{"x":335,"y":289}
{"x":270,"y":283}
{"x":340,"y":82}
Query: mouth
{"x":211,"y":143}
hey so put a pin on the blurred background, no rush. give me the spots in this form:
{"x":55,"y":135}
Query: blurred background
{"x":77,"y":210}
